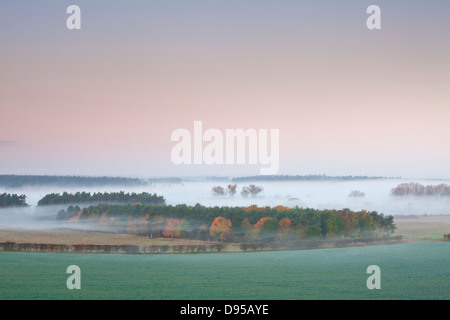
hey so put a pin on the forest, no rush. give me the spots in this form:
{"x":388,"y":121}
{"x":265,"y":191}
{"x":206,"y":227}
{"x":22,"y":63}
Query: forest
{"x":98,"y":197}
{"x":232,"y":224}
{"x":12,"y":200}
{"x":310,"y":177}
{"x":15,"y":181}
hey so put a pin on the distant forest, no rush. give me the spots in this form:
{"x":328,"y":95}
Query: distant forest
{"x":235,"y":224}
{"x":15,"y":181}
{"x":113,"y":197}
{"x":12,"y":200}
{"x":317,"y":177}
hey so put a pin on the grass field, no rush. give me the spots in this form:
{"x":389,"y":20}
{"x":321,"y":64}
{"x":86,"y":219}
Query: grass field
{"x":431,"y":227}
{"x":417,"y":270}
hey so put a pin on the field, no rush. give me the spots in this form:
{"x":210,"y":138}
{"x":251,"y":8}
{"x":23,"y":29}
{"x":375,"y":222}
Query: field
{"x":429,"y":227}
{"x":410,"y":227}
{"x":72,"y":237}
{"x":417,"y":270}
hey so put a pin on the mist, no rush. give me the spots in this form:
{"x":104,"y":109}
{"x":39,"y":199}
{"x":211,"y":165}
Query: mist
{"x":311,"y":194}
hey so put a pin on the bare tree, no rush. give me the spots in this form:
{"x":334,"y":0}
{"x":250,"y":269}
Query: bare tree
{"x":356,"y":194}
{"x":231,"y":189}
{"x":251,"y":190}
{"x":218,"y":191}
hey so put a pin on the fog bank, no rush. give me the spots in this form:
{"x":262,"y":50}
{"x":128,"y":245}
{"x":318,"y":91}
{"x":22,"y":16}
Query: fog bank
{"x":312,"y":194}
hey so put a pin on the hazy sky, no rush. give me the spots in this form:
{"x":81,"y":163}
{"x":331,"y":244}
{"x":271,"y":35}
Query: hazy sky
{"x":105,"y":99}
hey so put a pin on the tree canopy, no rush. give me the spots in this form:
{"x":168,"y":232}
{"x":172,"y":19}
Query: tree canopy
{"x":237,"y":223}
{"x":12,"y":200}
{"x":113,"y":197}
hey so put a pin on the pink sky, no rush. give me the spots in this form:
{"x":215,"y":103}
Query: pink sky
{"x":99,"y":103}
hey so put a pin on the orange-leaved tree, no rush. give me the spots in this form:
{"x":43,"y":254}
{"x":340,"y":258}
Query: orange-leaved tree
{"x":261,"y":221}
{"x":220,"y":228}
{"x":282,"y":208}
{"x":284,"y":229}
{"x":171,"y":228}
{"x":266,"y":229}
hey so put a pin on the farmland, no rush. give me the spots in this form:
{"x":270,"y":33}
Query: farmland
{"x":417,"y":270}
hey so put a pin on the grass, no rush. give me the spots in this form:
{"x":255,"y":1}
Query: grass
{"x":417,"y":270}
{"x":430,"y":227}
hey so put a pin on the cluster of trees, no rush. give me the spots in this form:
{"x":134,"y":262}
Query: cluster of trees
{"x":417,"y":189}
{"x":12,"y":200}
{"x":231,"y":190}
{"x":15,"y":181}
{"x":310,"y":177}
{"x":356,"y":194}
{"x":165,"y":180}
{"x":106,"y":197}
{"x":235,"y":224}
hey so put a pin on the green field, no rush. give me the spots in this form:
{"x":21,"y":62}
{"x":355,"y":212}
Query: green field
{"x":417,"y":270}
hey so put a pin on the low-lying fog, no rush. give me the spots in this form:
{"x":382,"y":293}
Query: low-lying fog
{"x":312,"y":194}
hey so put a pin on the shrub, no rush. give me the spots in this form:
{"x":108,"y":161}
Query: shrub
{"x":244,"y":246}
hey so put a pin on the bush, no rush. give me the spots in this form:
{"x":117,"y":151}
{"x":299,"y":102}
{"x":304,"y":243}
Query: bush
{"x":163,"y":248}
{"x":219,"y":247}
{"x":179,"y":248}
{"x":201,"y":249}
{"x":131,"y":249}
{"x":244,"y":246}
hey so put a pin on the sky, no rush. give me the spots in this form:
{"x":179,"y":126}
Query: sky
{"x":105,"y":99}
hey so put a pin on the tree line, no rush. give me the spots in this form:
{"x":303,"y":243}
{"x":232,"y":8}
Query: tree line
{"x":12,"y":200}
{"x":231,"y":190}
{"x":233,"y":224}
{"x":310,"y":177}
{"x":99,"y":197}
{"x":15,"y":181}
{"x":417,"y":189}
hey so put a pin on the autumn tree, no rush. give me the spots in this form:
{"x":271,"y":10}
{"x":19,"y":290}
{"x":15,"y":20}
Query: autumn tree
{"x":261,"y":222}
{"x":254,"y":207}
{"x":246,"y":225}
{"x":268,"y":230}
{"x":284,"y":229}
{"x":281,"y":208}
{"x":220,"y":228}
{"x":249,"y":231}
{"x":171,"y":228}
{"x":183,"y":229}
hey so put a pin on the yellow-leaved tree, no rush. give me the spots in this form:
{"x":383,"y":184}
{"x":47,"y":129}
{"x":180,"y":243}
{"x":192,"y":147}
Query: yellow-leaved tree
{"x":220,"y":228}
